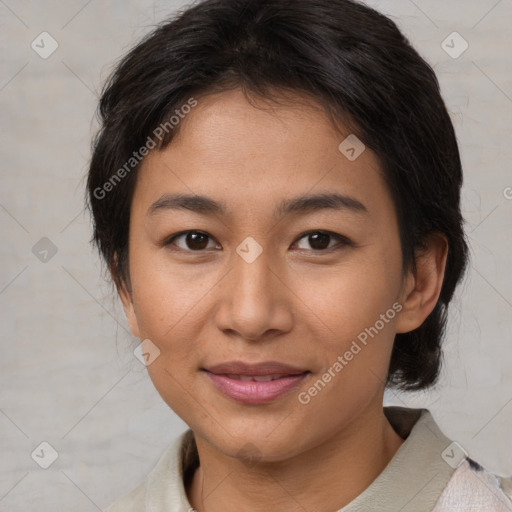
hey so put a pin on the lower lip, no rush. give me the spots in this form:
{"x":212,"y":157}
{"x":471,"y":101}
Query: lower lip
{"x":254,"y":392}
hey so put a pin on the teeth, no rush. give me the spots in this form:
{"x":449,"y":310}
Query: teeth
{"x":264,"y":378}
{"x":256,"y":378}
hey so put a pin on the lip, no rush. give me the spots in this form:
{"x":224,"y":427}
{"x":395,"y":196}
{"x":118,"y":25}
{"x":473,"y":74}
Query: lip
{"x":255,"y":392}
{"x":257,"y":369}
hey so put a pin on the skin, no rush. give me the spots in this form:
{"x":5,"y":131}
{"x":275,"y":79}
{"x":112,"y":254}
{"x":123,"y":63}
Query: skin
{"x":294,"y":304}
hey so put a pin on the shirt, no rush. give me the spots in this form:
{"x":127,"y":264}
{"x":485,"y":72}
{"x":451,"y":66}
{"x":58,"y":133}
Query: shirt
{"x":428,"y":473}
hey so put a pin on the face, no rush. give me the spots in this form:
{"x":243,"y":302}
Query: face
{"x":264,"y":278}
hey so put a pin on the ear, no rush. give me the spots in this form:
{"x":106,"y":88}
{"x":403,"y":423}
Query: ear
{"x":422,"y":287}
{"x":125,"y":294}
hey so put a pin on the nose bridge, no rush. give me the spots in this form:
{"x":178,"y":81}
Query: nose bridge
{"x":255,"y":299}
{"x":252,"y":275}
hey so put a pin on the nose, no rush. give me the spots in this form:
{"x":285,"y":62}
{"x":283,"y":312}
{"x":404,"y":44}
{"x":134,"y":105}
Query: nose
{"x":255,"y":299}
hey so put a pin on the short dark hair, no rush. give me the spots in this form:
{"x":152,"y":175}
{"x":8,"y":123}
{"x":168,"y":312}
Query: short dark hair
{"x":347,"y":57}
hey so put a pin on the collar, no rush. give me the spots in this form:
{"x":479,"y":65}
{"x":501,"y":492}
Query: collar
{"x":411,"y":482}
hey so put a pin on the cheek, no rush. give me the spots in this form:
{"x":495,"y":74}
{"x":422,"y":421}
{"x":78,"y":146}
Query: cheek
{"x":354,"y":295}
{"x":165,"y":295}
{"x":167,"y":307}
{"x":361,"y":315}
{"x":358,"y":307}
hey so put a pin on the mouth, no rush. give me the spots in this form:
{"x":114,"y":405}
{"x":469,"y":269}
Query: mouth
{"x":255,"y":383}
{"x":256,"y":378}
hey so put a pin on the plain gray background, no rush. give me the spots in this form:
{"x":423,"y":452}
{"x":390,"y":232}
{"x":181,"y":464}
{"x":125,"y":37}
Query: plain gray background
{"x":68,"y":375}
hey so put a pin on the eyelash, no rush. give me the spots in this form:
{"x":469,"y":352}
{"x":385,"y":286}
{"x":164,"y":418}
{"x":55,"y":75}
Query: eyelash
{"x":343,"y":241}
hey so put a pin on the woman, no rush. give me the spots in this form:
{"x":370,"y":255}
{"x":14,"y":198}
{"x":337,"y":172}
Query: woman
{"x":276,"y":191}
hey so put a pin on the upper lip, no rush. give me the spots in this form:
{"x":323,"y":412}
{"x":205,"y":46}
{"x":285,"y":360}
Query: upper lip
{"x":264,"y":368}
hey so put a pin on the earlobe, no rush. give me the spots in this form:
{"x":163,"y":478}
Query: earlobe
{"x":422,"y":288}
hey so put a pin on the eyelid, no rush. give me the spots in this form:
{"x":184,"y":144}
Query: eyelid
{"x":343,"y":240}
{"x":167,"y":242}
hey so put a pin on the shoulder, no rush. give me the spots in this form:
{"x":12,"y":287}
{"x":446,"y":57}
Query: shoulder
{"x":133,"y":501}
{"x":472,"y":487}
{"x":430,"y":472}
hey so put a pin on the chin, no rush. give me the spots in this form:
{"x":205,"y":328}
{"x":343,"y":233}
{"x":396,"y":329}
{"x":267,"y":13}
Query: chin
{"x":256,"y":440}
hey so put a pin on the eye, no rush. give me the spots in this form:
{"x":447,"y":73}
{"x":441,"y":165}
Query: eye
{"x":197,"y":241}
{"x":194,"y":241}
{"x":319,"y":240}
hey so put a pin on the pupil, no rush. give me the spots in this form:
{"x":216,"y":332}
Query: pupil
{"x":192,"y":241}
{"x":317,"y":239}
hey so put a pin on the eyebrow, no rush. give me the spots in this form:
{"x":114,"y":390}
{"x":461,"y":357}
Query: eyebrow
{"x":302,"y":204}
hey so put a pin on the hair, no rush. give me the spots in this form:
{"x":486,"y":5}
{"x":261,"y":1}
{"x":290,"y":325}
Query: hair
{"x":352,"y":61}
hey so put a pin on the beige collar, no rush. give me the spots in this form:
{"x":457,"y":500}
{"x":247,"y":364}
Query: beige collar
{"x":412,"y":481}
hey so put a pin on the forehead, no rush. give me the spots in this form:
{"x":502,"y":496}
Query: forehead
{"x":249,"y":155}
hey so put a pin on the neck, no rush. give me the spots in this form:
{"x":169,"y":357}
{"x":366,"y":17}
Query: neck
{"x":327,"y":477}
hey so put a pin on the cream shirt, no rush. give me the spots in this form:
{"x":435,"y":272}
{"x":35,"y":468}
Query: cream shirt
{"x":428,"y":473}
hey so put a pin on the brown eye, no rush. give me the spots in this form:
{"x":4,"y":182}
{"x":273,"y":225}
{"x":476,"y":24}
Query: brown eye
{"x":193,"y":240}
{"x":320,"y":240}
